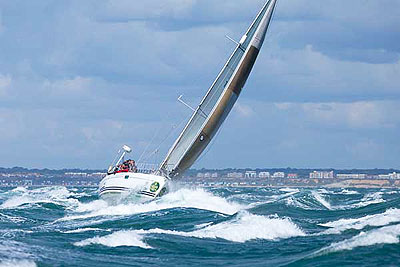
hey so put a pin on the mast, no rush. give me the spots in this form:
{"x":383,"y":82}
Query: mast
{"x":220,"y":98}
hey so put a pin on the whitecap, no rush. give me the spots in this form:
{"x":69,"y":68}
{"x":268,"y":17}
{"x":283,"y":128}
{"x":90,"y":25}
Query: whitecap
{"x":117,"y":239}
{"x":82,"y":230}
{"x":19,"y":263}
{"x":321,"y":200}
{"x":19,"y":189}
{"x":183,"y":198}
{"x":384,"y":235}
{"x":57,"y":195}
{"x":203,"y":225}
{"x":388,"y":217}
{"x":292,"y":201}
{"x":324,"y":191}
{"x":244,"y":227}
{"x":10,"y":248}
{"x":289,"y":190}
{"x":348,"y":192}
{"x":368,"y":199}
{"x":14,"y":219}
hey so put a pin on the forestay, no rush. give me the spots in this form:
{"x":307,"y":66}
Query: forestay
{"x":220,"y":98}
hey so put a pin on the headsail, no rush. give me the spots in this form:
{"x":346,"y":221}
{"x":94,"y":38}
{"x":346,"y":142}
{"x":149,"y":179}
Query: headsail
{"x":220,"y":98}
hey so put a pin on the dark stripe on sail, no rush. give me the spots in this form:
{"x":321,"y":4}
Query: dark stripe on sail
{"x":244,"y":71}
{"x":220,"y":113}
{"x":219,"y":100}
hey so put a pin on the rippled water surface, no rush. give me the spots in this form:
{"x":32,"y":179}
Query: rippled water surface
{"x":58,"y":226}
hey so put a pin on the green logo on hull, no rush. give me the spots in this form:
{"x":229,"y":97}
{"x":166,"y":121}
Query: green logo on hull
{"x":154,"y":187}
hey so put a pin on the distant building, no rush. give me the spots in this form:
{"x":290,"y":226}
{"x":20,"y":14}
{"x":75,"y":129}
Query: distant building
{"x":321,"y":175}
{"x":250,"y":174}
{"x":207,"y":175}
{"x":200,"y":175}
{"x":214,"y":175}
{"x":351,"y":176}
{"x":97,"y":174}
{"x":76,"y":174}
{"x":384,"y":176}
{"x":264,"y":175}
{"x":235,"y":175}
{"x":394,"y":175}
{"x":278,"y":175}
{"x":292,"y":175}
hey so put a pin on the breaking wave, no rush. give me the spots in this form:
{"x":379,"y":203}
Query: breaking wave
{"x":275,"y":222}
{"x":117,"y":239}
{"x":310,"y":201}
{"x":348,"y":192}
{"x":13,"y":253}
{"x":289,"y":190}
{"x":388,"y":217}
{"x":317,"y":200}
{"x":182,"y":198}
{"x":19,"y":263}
{"x":21,"y":197}
{"x":82,"y":230}
{"x":384,"y":235}
{"x":321,"y":200}
{"x":243,"y":228}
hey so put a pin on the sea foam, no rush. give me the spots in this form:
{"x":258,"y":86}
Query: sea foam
{"x":321,"y":199}
{"x":117,"y":239}
{"x":244,"y":227}
{"x":381,"y":219}
{"x":182,"y":198}
{"x":19,"y":263}
{"x":384,"y":235}
{"x":20,"y":197}
{"x":319,"y":196}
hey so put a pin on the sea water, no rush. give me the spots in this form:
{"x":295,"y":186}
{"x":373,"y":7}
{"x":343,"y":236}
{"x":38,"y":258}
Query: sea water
{"x":59,"y":226}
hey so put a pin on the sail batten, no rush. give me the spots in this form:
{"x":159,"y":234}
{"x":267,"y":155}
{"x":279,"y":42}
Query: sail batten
{"x":219,"y":99}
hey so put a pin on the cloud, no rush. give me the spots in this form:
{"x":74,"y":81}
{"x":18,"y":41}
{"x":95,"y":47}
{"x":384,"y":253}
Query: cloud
{"x":307,"y":75}
{"x":173,"y":15}
{"x":5,"y":82}
{"x":365,"y":149}
{"x":1,"y":26}
{"x":243,"y":110}
{"x":75,"y":86}
{"x":310,"y":135}
{"x":12,"y":125}
{"x":364,"y":115}
{"x":356,"y":31}
{"x":96,"y":75}
{"x":123,"y":10}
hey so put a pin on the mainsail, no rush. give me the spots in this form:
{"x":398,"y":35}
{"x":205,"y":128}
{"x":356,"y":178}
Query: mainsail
{"x":220,"y":98}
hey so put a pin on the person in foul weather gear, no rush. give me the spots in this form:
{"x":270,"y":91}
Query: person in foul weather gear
{"x":124,"y":167}
{"x":132,"y":166}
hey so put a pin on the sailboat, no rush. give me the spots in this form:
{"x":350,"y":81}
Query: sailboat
{"x":127,"y":180}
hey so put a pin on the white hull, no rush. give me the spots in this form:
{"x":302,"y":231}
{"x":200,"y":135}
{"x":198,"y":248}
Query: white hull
{"x":136,"y":187}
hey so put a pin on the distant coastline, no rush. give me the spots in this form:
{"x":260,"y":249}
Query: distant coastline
{"x":269,"y":177}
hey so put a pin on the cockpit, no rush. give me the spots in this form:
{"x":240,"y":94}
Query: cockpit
{"x":127,"y":166}
{"x":120,"y":164}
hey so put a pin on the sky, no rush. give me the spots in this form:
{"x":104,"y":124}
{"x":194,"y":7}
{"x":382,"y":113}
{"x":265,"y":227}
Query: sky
{"x":80,"y":78}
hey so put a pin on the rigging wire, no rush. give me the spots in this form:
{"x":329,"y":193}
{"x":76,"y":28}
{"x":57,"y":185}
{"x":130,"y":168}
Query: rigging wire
{"x":173,"y":128}
{"x":167,"y":115}
{"x":223,"y":125}
{"x":149,"y":144}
